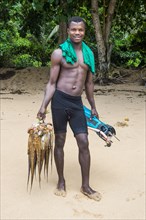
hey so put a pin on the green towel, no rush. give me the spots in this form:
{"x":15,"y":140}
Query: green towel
{"x":68,"y":52}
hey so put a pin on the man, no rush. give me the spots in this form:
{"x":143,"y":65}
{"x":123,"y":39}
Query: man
{"x":72,"y":68}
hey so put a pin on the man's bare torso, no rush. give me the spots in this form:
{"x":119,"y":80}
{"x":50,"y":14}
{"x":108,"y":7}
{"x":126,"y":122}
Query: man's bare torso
{"x":72,"y":78}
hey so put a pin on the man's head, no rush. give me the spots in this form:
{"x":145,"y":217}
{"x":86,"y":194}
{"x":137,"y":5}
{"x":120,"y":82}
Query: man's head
{"x":76,"y":29}
{"x":76,"y":19}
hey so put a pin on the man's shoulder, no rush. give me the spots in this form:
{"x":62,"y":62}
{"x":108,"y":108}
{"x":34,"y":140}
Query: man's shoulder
{"x":57,"y":52}
{"x":56,"y":55}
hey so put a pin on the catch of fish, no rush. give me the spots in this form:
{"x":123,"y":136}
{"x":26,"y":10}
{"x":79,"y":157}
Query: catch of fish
{"x":40,"y":149}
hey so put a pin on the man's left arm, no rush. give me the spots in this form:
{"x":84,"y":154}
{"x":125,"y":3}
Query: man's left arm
{"x":89,"y":90}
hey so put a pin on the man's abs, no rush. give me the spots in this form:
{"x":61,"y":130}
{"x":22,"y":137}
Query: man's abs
{"x":71,"y":81}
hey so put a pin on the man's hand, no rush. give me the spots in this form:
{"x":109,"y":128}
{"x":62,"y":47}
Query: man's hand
{"x":94,"y":113}
{"x":41,"y":115}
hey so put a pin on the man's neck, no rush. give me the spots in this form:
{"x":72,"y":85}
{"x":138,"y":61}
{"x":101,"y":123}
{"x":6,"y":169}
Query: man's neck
{"x":77,"y":46}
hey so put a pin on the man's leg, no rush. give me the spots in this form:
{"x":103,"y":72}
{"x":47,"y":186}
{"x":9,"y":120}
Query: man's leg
{"x":59,"y":161}
{"x":84,"y":160}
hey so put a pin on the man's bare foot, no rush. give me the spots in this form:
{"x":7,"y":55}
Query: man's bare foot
{"x":61,"y":189}
{"x":90,"y":193}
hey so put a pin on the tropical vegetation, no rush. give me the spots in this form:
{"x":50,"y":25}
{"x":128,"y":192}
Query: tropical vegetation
{"x":31,"y":29}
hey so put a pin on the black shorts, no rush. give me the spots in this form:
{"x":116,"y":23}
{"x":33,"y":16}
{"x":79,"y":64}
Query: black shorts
{"x":68,"y":109}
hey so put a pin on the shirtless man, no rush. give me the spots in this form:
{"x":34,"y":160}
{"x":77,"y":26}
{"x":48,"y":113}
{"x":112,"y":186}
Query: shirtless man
{"x":64,"y":90}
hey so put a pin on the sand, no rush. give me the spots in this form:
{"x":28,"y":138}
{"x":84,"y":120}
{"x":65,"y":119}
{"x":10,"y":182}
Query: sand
{"x":117,"y":172}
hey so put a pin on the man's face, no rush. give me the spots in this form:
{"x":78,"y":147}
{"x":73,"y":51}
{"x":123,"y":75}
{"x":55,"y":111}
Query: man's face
{"x":76,"y":31}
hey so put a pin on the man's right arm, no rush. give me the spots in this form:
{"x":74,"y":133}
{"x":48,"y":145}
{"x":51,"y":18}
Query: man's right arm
{"x":51,"y":85}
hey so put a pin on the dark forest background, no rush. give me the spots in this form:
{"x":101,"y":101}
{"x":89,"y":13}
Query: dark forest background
{"x":31,"y":30}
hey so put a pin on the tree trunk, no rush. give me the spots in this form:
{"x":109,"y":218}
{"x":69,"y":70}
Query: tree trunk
{"x":99,"y":39}
{"x":62,"y":32}
{"x":63,"y":24}
{"x":102,"y":37}
{"x":109,"y":19}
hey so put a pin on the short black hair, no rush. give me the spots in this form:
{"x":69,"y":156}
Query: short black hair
{"x":76,"y":19}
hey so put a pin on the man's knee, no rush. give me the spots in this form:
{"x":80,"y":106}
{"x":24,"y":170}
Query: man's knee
{"x":82,"y":141}
{"x":60,"y":139}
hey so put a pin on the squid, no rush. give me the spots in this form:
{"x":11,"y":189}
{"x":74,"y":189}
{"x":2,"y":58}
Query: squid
{"x":40,"y":150}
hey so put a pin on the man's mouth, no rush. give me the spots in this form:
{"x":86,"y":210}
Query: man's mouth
{"x":77,"y":37}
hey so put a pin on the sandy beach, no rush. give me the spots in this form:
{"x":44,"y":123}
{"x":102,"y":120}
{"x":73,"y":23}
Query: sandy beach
{"x":117,"y":172}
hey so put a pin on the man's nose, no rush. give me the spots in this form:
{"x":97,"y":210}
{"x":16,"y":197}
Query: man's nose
{"x":77,"y":31}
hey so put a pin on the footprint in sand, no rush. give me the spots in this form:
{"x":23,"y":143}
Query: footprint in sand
{"x":94,"y":197}
{"x":85,"y":213}
{"x":139,"y":194}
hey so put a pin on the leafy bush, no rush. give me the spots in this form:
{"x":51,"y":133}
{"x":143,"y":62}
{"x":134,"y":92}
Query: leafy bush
{"x":27,"y":26}
{"x":25,"y":60}
{"x":126,"y":52}
{"x":17,"y":51}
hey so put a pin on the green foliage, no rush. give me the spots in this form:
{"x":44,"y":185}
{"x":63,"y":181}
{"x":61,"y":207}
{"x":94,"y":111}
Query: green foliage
{"x":128,"y":34}
{"x":135,"y":62}
{"x":130,"y":58}
{"x":27,"y":36}
{"x":23,"y":41}
{"x":25,"y":60}
{"x":128,"y":49}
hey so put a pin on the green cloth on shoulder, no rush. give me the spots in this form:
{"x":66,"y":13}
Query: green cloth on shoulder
{"x":68,"y":52}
